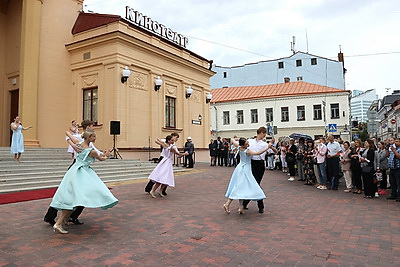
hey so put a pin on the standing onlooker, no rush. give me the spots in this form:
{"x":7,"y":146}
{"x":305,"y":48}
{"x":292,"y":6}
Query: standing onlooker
{"x":394,"y":165}
{"x":367,"y":160}
{"x":282,"y":151}
{"x":355,"y":166}
{"x":213,"y":152}
{"x":270,"y":156}
{"x":320,"y":152}
{"x":332,"y":162}
{"x":74,"y":130}
{"x":301,"y":147}
{"x":383,"y":154}
{"x":291,"y":159}
{"x":218,"y":147}
{"x":309,"y":173}
{"x":224,"y":151}
{"x":17,"y":140}
{"x":345,"y":163}
{"x":189,"y":148}
{"x":232,"y":155}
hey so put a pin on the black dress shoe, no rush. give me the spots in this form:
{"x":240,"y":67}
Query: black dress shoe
{"x":75,"y":221}
{"x":50,"y":221}
{"x":260,"y":211}
{"x":164,"y":193}
{"x":245,"y":208}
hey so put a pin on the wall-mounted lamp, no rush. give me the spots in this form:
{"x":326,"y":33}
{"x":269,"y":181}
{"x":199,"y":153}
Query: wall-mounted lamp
{"x":200,"y":117}
{"x":157,"y":84}
{"x":189,"y":91}
{"x":208,"y":97}
{"x":125,"y":74}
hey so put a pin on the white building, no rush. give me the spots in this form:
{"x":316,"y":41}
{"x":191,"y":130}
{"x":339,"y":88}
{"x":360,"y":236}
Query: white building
{"x":389,"y":116}
{"x":297,"y":67}
{"x":361,"y":103}
{"x":291,"y":107}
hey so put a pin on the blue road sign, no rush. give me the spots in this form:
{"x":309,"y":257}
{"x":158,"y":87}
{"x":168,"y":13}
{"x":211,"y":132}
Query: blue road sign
{"x":332,"y":127}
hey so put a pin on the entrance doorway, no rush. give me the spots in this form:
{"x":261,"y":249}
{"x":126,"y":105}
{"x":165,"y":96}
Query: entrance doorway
{"x":14,"y":103}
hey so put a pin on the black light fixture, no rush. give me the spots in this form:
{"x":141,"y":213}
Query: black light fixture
{"x":125,"y":74}
{"x":157,"y":84}
{"x":189,"y":91}
{"x":200,"y":117}
{"x":208,"y":97}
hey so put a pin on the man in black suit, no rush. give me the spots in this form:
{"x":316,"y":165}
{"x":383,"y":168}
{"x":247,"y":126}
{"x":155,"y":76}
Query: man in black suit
{"x":189,"y":147}
{"x":218,"y":147}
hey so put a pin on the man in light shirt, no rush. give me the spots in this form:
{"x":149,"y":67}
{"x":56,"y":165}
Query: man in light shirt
{"x":257,"y":162}
{"x":332,"y":161}
{"x":320,"y":152}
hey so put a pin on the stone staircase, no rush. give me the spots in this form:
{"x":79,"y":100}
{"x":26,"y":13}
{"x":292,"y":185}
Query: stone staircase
{"x":42,"y":168}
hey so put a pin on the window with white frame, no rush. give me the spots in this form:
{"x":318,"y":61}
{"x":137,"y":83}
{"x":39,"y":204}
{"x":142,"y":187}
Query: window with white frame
{"x":301,"y":113}
{"x":335,"y":111}
{"x":239,"y":116}
{"x":269,"y":115}
{"x":284,"y":113}
{"x":254,"y":115}
{"x":226,"y":119}
{"x":317,"y":112}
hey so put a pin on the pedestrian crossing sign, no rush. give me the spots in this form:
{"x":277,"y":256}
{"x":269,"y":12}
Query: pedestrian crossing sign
{"x":332,"y":127}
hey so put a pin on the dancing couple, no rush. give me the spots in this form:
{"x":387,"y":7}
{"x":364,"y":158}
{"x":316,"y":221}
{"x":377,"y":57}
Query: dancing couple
{"x":246,"y":178}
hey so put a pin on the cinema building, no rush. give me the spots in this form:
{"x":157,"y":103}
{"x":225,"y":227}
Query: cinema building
{"x":60,"y":64}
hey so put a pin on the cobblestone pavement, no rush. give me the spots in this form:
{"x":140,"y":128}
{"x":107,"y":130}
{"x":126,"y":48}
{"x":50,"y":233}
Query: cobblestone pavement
{"x":301,"y":226}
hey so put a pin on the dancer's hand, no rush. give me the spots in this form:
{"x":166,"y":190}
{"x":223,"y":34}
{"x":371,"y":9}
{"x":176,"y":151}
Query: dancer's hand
{"x":77,"y":148}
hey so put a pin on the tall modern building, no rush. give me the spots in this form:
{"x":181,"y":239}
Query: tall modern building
{"x":361,"y":103}
{"x":298,"y":67}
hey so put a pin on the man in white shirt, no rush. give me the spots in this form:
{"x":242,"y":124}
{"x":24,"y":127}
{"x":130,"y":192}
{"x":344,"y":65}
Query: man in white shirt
{"x":257,"y":162}
{"x":332,"y":161}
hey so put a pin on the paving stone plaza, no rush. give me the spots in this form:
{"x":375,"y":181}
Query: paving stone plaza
{"x":301,"y":226}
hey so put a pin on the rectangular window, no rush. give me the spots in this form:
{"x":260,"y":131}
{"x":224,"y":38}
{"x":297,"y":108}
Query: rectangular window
{"x":170,"y":112}
{"x":280,"y":65}
{"x":285,"y":114}
{"x":301,"y":113}
{"x":317,"y":112}
{"x":254,"y":115}
{"x":286,"y":80}
{"x":335,"y":111}
{"x":239,"y":115}
{"x":226,"y":120}
{"x":269,"y":116}
{"x":298,"y":63}
{"x":225,"y":74}
{"x":300,"y":78}
{"x":313,"y":61}
{"x":90,"y":104}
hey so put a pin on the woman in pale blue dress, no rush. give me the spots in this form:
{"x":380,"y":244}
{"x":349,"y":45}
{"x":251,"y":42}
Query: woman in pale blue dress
{"x":243,"y":185}
{"x":17,"y":140}
{"x":81,"y":186}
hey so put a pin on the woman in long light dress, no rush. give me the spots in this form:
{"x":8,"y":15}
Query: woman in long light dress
{"x":74,"y":130}
{"x":81,"y":186}
{"x":163,"y":173}
{"x":17,"y":140}
{"x":243,"y":185}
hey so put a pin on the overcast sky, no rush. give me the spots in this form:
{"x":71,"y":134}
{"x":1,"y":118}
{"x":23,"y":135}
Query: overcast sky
{"x":236,"y":32}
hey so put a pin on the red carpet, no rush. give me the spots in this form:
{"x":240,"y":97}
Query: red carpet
{"x":26,"y":195}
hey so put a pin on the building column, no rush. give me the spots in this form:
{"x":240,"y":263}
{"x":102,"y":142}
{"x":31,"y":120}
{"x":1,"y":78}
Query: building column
{"x":29,"y":68}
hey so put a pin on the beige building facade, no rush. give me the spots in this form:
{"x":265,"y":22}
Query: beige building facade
{"x":60,"y":64}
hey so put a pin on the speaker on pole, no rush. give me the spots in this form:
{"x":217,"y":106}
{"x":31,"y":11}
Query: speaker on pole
{"x":115,"y":127}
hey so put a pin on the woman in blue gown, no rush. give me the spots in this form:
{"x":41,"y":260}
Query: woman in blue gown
{"x":17,"y":140}
{"x":81,"y":186}
{"x":243,"y":185}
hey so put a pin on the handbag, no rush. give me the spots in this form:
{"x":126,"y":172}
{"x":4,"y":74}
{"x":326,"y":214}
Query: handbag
{"x":366,"y":168}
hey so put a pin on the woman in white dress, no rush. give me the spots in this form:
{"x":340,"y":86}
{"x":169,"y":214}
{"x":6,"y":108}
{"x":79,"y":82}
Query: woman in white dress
{"x":163,"y":174}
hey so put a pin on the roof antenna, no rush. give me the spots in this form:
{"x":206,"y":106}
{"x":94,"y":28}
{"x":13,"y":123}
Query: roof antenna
{"x":307,"y":40}
{"x":292,"y":45}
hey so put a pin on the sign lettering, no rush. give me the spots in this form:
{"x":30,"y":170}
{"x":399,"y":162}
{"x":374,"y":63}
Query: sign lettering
{"x":159,"y":29}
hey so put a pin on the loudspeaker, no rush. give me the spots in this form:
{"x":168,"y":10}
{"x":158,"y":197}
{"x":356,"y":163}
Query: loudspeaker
{"x":115,"y":127}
